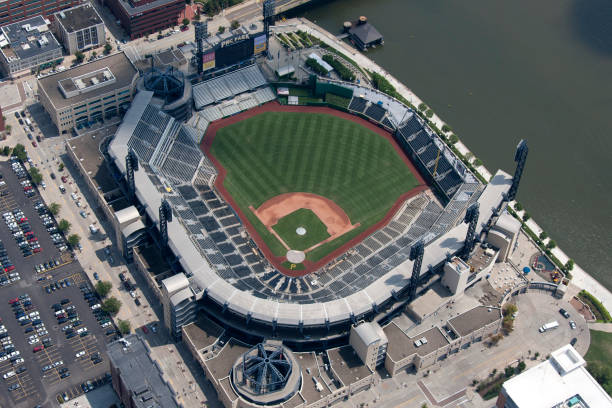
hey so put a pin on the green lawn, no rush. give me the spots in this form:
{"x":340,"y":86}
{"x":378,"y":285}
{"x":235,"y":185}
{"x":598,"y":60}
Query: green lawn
{"x":598,"y":359}
{"x":279,"y":152}
{"x":316,"y":231}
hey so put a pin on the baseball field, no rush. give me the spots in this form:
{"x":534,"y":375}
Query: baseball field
{"x":309,"y":181}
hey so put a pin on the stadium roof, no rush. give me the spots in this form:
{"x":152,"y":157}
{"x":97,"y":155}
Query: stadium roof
{"x":288,"y":312}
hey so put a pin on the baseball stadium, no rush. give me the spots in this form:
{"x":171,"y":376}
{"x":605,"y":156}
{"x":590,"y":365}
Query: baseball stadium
{"x":296,"y":221}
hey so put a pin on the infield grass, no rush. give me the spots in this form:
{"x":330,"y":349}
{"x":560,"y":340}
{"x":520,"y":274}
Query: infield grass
{"x":286,"y":227}
{"x":280,"y":152}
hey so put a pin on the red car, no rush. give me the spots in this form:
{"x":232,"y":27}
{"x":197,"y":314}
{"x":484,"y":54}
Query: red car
{"x":39,"y":348}
{"x":184,"y":28}
{"x":29,"y":233}
{"x":144,"y":329}
{"x":64,"y":179}
{"x":13,"y":301}
{"x":32,"y":239}
{"x":34,"y":143}
{"x":37,"y":250}
{"x":10,"y":268}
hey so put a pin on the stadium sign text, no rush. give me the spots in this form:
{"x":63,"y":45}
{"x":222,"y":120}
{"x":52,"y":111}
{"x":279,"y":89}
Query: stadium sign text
{"x":232,"y":40}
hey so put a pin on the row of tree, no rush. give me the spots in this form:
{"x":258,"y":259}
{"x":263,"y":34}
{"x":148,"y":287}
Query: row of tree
{"x":112,"y":305}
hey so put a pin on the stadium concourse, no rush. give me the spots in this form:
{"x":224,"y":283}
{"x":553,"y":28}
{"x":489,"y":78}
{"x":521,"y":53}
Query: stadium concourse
{"x":223,"y":272}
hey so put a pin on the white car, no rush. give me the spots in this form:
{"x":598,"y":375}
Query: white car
{"x":42,"y":332}
{"x":34,"y":341}
{"x":8,"y":375}
{"x":81,"y":330}
{"x":14,"y":353}
{"x":96,"y":306}
{"x":18,"y":361}
{"x":58,"y":363}
{"x":80,"y":354}
{"x":132,"y":294}
{"x":106,"y":324}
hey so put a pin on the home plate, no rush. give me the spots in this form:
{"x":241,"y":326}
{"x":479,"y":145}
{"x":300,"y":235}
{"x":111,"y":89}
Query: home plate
{"x":295,"y":257}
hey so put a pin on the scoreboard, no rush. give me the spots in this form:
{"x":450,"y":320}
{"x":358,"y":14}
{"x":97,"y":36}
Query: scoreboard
{"x":234,"y":50}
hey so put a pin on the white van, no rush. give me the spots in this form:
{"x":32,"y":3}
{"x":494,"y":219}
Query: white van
{"x":549,"y":326}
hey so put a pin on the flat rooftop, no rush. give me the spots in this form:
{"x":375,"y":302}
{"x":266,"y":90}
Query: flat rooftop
{"x":479,"y":259}
{"x":27,"y":38}
{"x":86,"y":149}
{"x":310,"y":370}
{"x":140,"y":373}
{"x":401,"y":346}
{"x":430,"y":301}
{"x":474,"y":319}
{"x":222,"y":363}
{"x":78,"y":18}
{"x":118,"y":64}
{"x":347,"y":365}
{"x":203,"y":332}
{"x":137,"y":7}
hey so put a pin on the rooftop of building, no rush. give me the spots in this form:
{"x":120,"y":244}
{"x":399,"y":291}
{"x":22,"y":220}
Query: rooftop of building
{"x":434,"y":298}
{"x":27,"y":38}
{"x":222,"y":363}
{"x":474,"y":319}
{"x":310,"y":372}
{"x":203,"y":332}
{"x":86,"y":149}
{"x":401,"y":346}
{"x":545,"y":386}
{"x":481,"y":258}
{"x":78,"y":18}
{"x":347,"y":365}
{"x":118,"y":64}
{"x":134,"y":8}
{"x":366,"y":33}
{"x":140,"y":374}
{"x":508,"y":223}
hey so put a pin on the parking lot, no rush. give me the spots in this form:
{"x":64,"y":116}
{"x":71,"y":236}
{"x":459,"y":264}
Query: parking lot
{"x":31,"y":322}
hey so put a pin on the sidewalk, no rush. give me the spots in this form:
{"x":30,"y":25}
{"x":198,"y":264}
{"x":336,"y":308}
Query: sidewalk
{"x":604,"y":327}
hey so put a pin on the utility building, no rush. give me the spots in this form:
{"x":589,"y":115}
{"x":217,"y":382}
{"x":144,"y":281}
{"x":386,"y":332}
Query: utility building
{"x":79,"y":28}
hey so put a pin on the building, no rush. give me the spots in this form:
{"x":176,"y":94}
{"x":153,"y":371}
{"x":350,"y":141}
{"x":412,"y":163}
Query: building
{"x":365,"y":35}
{"x":88,"y":93}
{"x":179,"y":307}
{"x":19,"y":10}
{"x":370,"y":343}
{"x":26,"y":45}
{"x":79,"y":28}
{"x":561,"y":381}
{"x":143,"y":17}
{"x":503,"y":235}
{"x":137,"y":379}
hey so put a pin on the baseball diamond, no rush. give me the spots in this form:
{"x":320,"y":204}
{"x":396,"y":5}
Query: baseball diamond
{"x":316,"y":161}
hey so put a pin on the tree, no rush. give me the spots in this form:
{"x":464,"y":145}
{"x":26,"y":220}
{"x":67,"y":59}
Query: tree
{"x":73,"y":240}
{"x":446,"y":128}
{"x":108,"y":48}
{"x":35,"y":175}
{"x":543,"y":235}
{"x":536,"y":354}
{"x":477,"y":162}
{"x":221,"y":29}
{"x":111,"y":305}
{"x":569,"y":265}
{"x":54,"y":208}
{"x":20,"y":151}
{"x":551,"y":244}
{"x":509,"y":371}
{"x":185,"y":22}
{"x":63,"y":225}
{"x":510,"y":309}
{"x":103,"y":288}
{"x":422,"y":107}
{"x":508,"y":324}
{"x":453,"y":138}
{"x":197,"y":17}
{"x":8,"y":128}
{"x":79,"y":56}
{"x":526,"y":217}
{"x":124,"y":326}
{"x":521,"y":366}
{"x":6,"y":151}
{"x":429,"y":113}
{"x":235,"y":24}
{"x":61,"y":167}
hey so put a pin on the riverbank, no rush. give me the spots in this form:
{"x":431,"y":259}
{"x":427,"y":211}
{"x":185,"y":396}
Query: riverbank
{"x":581,"y":279}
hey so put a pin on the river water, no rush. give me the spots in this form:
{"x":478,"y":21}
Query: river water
{"x":499,"y":71}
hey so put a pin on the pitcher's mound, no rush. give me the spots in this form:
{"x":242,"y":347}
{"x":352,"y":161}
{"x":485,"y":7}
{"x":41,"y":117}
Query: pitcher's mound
{"x":300,"y":231}
{"x":295,"y":257}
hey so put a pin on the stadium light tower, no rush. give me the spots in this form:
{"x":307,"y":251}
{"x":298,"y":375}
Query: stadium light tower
{"x":201,"y":33}
{"x":165,"y":216}
{"x":520,"y":157}
{"x":416,"y":254}
{"x":471,"y":217}
{"x":268,"y":18}
{"x":131,"y":165}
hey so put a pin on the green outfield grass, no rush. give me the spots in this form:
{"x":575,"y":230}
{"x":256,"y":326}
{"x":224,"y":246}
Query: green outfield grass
{"x":316,"y":231}
{"x":280,"y":152}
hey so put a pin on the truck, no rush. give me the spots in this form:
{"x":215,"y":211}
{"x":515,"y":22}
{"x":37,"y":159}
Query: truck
{"x":549,"y":326}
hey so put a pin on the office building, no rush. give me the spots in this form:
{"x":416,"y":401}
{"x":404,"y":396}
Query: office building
{"x":18,"y":10}
{"x":79,"y":28}
{"x":26,"y":45}
{"x":143,"y":17}
{"x":80,"y":96}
